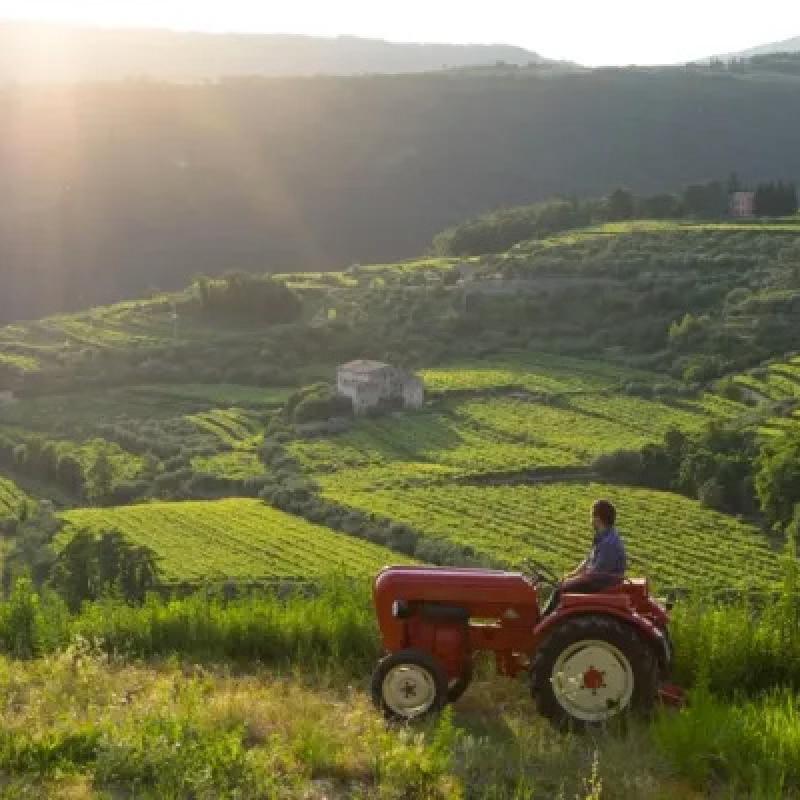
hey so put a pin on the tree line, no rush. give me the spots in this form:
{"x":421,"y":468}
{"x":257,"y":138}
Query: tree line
{"x":499,"y":230}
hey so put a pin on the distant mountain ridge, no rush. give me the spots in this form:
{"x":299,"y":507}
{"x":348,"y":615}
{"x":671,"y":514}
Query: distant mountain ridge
{"x":43,"y":52}
{"x":784,"y":46}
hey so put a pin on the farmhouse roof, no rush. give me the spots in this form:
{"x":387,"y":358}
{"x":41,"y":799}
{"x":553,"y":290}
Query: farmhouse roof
{"x":363,"y":365}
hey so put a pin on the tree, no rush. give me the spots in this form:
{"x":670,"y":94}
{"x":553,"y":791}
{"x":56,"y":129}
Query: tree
{"x":775,"y":199}
{"x":778,"y":480}
{"x":89,"y":566}
{"x":705,"y":200}
{"x":659,"y":206}
{"x":100,"y":478}
{"x":620,"y":205}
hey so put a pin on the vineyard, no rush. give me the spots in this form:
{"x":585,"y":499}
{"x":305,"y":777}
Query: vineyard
{"x":537,"y":372}
{"x":234,"y":465}
{"x":232,"y":538}
{"x":11,"y":497}
{"x":673,"y":540}
{"x":778,"y":381}
{"x":231,"y":426}
{"x":499,"y":434}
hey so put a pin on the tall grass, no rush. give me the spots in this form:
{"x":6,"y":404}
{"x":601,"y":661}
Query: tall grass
{"x":332,"y":629}
{"x":746,"y":647}
{"x":752,"y":746}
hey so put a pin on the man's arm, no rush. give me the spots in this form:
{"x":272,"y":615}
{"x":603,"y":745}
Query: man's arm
{"x":606,"y":560}
{"x":579,"y":570}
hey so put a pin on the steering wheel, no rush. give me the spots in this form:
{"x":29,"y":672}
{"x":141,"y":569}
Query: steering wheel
{"x":540,"y":573}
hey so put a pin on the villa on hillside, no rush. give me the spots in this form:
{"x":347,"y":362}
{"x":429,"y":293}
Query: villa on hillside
{"x":743,"y":204}
{"x":370,"y":384}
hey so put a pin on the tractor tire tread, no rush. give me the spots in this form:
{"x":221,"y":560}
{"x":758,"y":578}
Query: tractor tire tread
{"x":639,"y":652}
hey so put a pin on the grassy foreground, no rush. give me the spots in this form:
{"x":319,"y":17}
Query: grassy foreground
{"x":76,"y":727}
{"x":266,"y":697}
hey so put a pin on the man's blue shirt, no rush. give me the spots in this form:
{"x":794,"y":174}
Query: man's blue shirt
{"x":608,"y":554}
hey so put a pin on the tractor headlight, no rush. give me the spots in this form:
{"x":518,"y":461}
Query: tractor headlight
{"x":400,"y":609}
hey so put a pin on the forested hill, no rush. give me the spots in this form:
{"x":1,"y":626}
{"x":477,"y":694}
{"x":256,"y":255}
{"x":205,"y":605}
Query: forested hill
{"x":111,"y":189}
{"x":42,"y":52}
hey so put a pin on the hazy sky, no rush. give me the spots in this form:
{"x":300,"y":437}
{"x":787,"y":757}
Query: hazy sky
{"x":589,"y":31}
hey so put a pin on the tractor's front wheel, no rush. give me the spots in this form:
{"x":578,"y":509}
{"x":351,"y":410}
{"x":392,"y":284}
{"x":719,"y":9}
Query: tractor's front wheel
{"x":409,"y":684}
{"x":459,"y":685}
{"x":591,"y":669}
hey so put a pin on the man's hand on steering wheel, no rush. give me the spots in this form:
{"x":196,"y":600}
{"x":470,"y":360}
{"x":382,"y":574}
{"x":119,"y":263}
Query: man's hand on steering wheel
{"x":541,"y":573}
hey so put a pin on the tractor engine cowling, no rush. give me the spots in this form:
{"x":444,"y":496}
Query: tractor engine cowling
{"x":450,"y":613}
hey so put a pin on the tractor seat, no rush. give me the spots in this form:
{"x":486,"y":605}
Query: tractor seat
{"x":635,"y":588}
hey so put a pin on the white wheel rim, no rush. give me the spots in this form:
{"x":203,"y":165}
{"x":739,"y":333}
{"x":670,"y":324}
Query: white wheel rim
{"x":409,"y":690}
{"x":592,"y":680}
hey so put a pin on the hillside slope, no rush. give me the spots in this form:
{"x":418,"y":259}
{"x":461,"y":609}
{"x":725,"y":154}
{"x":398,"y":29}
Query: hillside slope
{"x":97,"y":54}
{"x":113,"y":189}
{"x":791,"y":45}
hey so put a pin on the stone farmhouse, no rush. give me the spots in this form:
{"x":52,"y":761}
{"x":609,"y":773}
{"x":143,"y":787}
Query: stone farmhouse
{"x":743,"y":204}
{"x":370,"y":384}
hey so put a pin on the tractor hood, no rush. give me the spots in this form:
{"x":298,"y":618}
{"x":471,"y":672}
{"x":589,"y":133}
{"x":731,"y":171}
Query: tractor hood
{"x":453,"y":586}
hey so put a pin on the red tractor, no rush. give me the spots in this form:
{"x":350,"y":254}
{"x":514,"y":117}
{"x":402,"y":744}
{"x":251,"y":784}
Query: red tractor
{"x":594,"y":657}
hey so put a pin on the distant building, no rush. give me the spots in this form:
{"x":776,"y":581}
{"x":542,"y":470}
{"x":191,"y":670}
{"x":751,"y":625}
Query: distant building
{"x":369,"y":384}
{"x":468,"y":270}
{"x":6,"y":397}
{"x":743,"y":204}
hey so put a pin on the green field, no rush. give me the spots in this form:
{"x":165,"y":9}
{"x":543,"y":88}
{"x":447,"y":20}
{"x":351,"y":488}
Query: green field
{"x":671,"y":539}
{"x":232,"y":538}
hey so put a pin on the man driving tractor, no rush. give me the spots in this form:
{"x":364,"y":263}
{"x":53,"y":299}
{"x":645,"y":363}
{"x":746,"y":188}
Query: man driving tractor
{"x":604,"y":566}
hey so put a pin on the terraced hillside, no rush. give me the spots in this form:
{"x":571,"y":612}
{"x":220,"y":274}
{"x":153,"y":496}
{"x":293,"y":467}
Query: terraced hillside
{"x":574,"y":416}
{"x":232,"y":538}
{"x":536,"y":361}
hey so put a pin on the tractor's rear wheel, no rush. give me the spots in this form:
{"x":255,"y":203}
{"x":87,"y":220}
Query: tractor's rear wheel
{"x":592,"y":669}
{"x":409,"y":684}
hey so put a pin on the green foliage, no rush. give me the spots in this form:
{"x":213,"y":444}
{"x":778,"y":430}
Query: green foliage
{"x":241,"y":295}
{"x":715,"y":467}
{"x":754,"y":747}
{"x":776,"y":199}
{"x":317,"y":402}
{"x":499,"y":230}
{"x":777,"y":479}
{"x":31,"y":624}
{"x":333,"y":628}
{"x":91,"y":565}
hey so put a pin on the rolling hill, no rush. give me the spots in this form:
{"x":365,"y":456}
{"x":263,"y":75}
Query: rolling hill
{"x":114,"y":189}
{"x":95,"y":54}
{"x":791,"y":45}
{"x":175,"y":421}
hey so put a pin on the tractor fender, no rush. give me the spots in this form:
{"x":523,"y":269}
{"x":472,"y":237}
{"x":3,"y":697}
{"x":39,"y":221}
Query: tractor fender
{"x":649,"y":632}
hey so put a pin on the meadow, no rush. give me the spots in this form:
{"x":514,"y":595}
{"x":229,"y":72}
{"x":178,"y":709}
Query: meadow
{"x":231,"y":538}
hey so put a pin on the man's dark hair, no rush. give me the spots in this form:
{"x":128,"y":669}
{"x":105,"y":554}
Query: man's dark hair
{"x":605,"y":510}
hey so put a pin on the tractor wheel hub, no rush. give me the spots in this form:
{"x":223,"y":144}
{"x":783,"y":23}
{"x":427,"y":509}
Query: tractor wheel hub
{"x":592,"y":680}
{"x":409,"y":690}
